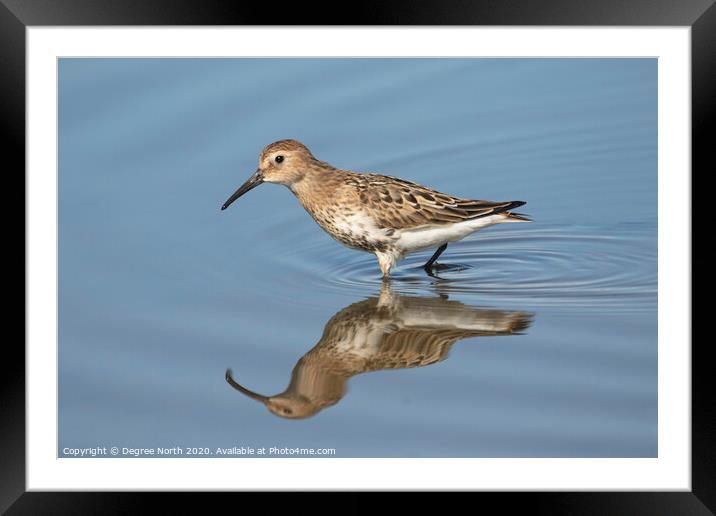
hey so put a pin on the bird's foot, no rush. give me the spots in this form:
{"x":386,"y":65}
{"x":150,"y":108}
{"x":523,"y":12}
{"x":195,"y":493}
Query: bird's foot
{"x":430,"y":269}
{"x":433,"y":269}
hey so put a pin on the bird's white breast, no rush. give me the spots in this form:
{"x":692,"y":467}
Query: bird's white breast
{"x":360,"y":226}
{"x":418,"y":239}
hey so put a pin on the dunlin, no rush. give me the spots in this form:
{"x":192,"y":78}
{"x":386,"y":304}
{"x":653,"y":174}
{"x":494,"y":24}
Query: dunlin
{"x":380,"y":333}
{"x":384,"y":215}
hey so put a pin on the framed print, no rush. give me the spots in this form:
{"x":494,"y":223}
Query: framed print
{"x":190,"y":328}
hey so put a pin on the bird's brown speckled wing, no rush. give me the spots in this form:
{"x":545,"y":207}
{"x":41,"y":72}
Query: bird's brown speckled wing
{"x":415,"y":348}
{"x":397,"y":203}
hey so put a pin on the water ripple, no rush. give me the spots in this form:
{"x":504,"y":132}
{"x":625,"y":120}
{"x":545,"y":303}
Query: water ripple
{"x":611,"y":268}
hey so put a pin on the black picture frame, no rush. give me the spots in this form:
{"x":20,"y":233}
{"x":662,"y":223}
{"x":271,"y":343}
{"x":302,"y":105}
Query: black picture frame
{"x":700,"y":15}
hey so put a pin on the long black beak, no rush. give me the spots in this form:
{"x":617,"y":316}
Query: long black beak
{"x":251,"y":394}
{"x":252,"y":182}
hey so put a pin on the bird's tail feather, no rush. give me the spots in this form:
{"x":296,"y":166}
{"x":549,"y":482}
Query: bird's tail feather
{"x":517,"y":217}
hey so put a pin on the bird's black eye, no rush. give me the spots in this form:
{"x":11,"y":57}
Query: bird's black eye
{"x":278,"y":159}
{"x":287,"y":411}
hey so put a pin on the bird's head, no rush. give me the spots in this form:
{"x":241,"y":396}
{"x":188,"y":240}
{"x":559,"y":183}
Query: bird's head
{"x":285,"y":405}
{"x":283,"y":162}
{"x":289,"y":408}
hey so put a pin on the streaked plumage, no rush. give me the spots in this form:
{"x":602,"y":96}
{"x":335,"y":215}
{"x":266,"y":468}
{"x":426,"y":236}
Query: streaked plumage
{"x":385,"y":215}
{"x":386,"y":332}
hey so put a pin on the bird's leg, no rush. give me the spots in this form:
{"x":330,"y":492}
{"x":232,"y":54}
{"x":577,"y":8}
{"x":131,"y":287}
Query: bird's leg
{"x":386,"y":298}
{"x":386,"y":262}
{"x":429,"y":264}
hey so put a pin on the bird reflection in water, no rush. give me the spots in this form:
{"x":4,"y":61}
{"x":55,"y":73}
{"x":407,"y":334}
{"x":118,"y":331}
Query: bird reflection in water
{"x":391,"y":331}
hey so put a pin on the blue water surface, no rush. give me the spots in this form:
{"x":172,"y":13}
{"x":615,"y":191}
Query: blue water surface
{"x":543,"y":335}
